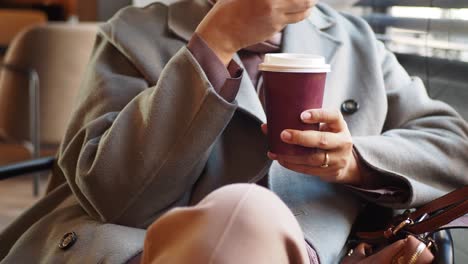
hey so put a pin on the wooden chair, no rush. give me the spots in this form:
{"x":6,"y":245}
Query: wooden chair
{"x":39,"y":81}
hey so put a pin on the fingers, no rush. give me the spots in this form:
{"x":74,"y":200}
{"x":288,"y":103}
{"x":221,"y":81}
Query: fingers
{"x":315,"y":160}
{"x":327,"y":174}
{"x":333,"y":118}
{"x":264,"y":129}
{"x":298,"y":6}
{"x":297,"y":17}
{"x":316,"y":139}
{"x":298,"y":10}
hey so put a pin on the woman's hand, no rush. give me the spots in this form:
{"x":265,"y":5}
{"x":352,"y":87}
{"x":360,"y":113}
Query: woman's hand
{"x":335,"y":161}
{"x":235,"y":24}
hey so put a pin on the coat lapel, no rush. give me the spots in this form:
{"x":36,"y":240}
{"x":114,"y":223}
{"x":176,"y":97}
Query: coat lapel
{"x":247,"y":97}
{"x":312,"y":36}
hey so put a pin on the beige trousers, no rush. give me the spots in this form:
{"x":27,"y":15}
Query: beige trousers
{"x":241,"y":224}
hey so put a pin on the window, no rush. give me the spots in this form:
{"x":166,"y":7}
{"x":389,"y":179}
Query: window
{"x":437,"y":28}
{"x":430,"y":39}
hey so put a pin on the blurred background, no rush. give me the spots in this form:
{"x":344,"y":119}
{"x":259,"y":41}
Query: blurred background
{"x":45,"y":46}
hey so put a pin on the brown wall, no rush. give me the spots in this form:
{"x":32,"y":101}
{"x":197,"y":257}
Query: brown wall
{"x":107,"y":8}
{"x":99,"y":10}
{"x":87,"y":10}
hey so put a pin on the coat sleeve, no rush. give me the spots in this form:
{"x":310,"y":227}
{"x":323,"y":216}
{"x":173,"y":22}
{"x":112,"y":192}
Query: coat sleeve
{"x":132,"y":151}
{"x":424,"y":143}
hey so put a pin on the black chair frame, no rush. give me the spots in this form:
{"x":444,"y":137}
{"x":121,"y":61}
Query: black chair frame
{"x":26,"y":167}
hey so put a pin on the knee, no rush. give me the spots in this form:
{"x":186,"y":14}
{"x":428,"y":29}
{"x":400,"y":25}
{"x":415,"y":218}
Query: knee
{"x":250,"y":204}
{"x":249,"y":198}
{"x":231,"y":220}
{"x":252,"y":217}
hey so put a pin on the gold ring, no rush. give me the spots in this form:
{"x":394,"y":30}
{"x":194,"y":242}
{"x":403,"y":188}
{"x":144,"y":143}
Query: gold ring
{"x":326,"y":160}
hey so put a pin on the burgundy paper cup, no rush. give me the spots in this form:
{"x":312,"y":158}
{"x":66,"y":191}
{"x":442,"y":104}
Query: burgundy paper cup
{"x":293,"y":83}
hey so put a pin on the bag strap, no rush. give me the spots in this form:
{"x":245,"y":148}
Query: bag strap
{"x":440,"y":220}
{"x":445,"y":201}
{"x":428,"y":218}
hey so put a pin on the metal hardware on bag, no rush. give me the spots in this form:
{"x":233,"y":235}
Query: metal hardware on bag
{"x":414,"y":258}
{"x":427,"y":224}
{"x":402,"y":225}
{"x":419,"y":220}
{"x":430,"y":243}
{"x":422,"y":218}
{"x":392,"y":230}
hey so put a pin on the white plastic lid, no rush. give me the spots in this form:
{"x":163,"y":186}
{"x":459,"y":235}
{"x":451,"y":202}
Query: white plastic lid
{"x":292,"y":62}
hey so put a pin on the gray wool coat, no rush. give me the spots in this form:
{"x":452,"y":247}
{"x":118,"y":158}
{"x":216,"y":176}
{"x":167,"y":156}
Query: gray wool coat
{"x":149,"y":133}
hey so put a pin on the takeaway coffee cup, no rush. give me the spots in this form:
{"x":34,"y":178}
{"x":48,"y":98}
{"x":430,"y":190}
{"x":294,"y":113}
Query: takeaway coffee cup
{"x":293,"y":83}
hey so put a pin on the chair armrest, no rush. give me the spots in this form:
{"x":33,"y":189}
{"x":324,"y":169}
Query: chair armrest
{"x":34,"y":103}
{"x":22,"y":168}
{"x":34,"y":110}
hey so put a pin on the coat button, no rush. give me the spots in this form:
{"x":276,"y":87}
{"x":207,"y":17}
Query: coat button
{"x":68,"y":240}
{"x":349,"y":107}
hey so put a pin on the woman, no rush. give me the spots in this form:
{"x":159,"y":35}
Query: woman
{"x":162,"y":124}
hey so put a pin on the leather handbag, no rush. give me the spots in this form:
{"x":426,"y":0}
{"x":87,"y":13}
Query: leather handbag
{"x":415,"y":237}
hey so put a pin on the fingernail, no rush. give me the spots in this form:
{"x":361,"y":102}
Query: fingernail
{"x":287,"y":136}
{"x":306,"y":116}
{"x":272,"y":156}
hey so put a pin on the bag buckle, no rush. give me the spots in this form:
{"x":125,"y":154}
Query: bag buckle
{"x":402,"y":225}
{"x":393,"y":231}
